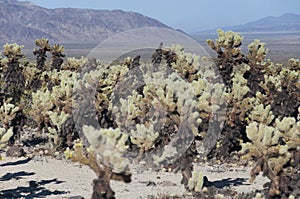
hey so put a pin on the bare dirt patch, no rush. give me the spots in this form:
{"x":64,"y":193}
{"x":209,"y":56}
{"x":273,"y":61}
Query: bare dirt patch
{"x":48,"y":177}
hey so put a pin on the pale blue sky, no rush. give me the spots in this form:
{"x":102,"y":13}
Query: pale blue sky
{"x":189,"y":15}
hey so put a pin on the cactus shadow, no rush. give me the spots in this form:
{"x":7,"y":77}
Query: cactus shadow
{"x":226,"y":182}
{"x":35,"y":189}
{"x":18,"y":162}
{"x":35,"y":141}
{"x":17,"y":176}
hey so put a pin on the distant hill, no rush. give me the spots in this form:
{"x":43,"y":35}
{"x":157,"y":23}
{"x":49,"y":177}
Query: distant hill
{"x":282,"y":24}
{"x":24,"y":21}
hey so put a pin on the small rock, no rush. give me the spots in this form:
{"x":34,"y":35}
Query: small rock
{"x":151,"y":183}
{"x":15,"y":151}
{"x":30,"y":155}
{"x":205,"y":189}
{"x":219,"y":196}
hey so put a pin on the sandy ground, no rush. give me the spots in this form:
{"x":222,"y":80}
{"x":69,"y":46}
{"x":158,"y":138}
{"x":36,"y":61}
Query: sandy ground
{"x":45,"y":177}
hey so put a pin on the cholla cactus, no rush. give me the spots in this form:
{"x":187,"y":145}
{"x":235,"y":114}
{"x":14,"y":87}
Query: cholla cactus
{"x":74,"y":64}
{"x":239,"y":88}
{"x":257,"y":51}
{"x":273,"y":147}
{"x":43,"y":43}
{"x":41,"y":53}
{"x":52,"y":107}
{"x":89,"y":157}
{"x":196,"y":181}
{"x":294,"y":64}
{"x":262,"y":114}
{"x":230,"y":41}
{"x":144,"y":137}
{"x":57,"y":54}
{"x":42,"y":102}
{"x":131,"y":108}
{"x":5,"y":136}
{"x":111,"y":145}
{"x":14,"y":80}
{"x":227,"y":46}
{"x":187,"y":64}
{"x":167,"y":111}
{"x":63,"y":86}
{"x":57,"y":120}
{"x":13,"y":52}
{"x":8,"y":112}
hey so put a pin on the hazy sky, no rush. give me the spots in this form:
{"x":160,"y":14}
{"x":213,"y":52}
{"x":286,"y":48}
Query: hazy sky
{"x":189,"y":15}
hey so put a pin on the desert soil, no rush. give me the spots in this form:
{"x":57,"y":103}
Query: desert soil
{"x":48,"y":177}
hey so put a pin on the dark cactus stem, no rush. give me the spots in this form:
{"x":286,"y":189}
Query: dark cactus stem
{"x":170,"y":57}
{"x":102,"y":190}
{"x":157,"y":55}
{"x":135,"y":62}
{"x":57,"y":55}
{"x":14,"y":81}
{"x":57,"y":61}
{"x":40,"y":64}
{"x":41,"y":53}
{"x":254,"y":76}
{"x":40,"y":58}
{"x":225,"y":67}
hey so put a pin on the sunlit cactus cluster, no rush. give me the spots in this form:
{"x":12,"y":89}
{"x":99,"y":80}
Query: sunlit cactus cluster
{"x":165,"y":113}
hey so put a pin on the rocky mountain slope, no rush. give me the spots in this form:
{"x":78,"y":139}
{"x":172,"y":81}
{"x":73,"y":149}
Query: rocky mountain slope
{"x":24,"y":21}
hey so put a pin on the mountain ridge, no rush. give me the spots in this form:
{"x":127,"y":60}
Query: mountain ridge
{"x":25,"y":21}
{"x":288,"y":22}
